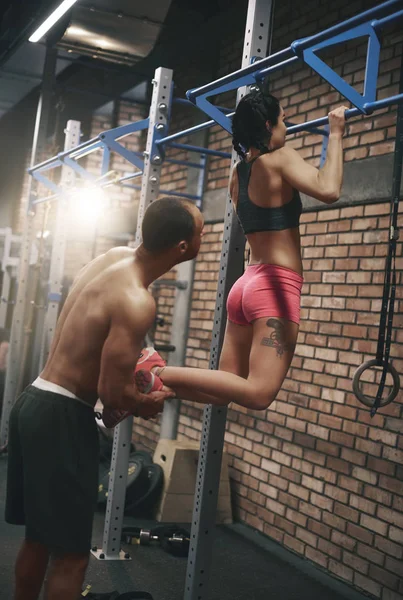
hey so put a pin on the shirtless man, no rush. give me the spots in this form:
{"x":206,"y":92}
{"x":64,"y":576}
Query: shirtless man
{"x":53,"y":443}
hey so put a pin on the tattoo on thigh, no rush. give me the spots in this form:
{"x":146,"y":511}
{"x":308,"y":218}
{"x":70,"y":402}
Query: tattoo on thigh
{"x":277,"y":338}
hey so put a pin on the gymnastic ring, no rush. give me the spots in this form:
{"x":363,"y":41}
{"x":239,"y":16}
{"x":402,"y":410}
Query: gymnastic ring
{"x":366,"y":399}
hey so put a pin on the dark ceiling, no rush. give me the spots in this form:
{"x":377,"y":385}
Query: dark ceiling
{"x":177,"y":39}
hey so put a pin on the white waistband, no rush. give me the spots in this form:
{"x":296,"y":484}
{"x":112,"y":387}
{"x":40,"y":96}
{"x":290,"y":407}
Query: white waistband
{"x":48,"y":386}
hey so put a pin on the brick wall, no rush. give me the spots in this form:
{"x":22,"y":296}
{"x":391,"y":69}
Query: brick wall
{"x":315,"y":472}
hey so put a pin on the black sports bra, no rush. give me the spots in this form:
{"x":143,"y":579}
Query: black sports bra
{"x":255,"y":218}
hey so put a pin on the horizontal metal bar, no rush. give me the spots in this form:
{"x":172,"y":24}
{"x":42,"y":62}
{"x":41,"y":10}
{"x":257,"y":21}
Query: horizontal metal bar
{"x":200,"y":150}
{"x":186,"y":102}
{"x":372,"y":106}
{"x":179,"y":134}
{"x":323,"y":132}
{"x":45,"y":166}
{"x":184,"y":163}
{"x":352,"y":112}
{"x":87,"y":150}
{"x":47,"y":199}
{"x":281,"y":65}
{"x":256,"y":66}
{"x":130,"y":176}
{"x":299,"y":45}
{"x":379,"y":23}
{"x":49,"y":162}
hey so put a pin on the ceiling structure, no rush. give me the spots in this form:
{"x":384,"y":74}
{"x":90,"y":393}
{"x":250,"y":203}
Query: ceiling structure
{"x":103,"y":46}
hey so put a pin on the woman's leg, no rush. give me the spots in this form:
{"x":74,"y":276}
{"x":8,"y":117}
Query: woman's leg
{"x":271,"y":353}
{"x":234,"y":359}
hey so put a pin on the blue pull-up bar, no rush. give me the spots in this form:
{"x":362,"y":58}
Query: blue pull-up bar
{"x":365,"y":24}
{"x":298,"y":46}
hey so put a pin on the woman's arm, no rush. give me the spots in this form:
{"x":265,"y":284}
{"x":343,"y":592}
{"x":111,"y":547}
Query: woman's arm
{"x":323,"y":184}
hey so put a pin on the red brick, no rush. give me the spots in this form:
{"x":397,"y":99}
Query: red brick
{"x":316,"y":556}
{"x":350,"y":484}
{"x":382,"y":466}
{"x":297,"y":490}
{"x":341,"y":570}
{"x":367,"y":584}
{"x":342,"y":439}
{"x":284,"y":525}
{"x":370,"y":554}
{"x":358,"y":564}
{"x":390,"y":516}
{"x":294,"y":544}
{"x":359,"y":533}
{"x":388,"y":547}
{"x":385,"y":577}
{"x":329,"y":548}
{"x":334,"y":521}
{"x":390,"y":483}
{"x":375,"y":493}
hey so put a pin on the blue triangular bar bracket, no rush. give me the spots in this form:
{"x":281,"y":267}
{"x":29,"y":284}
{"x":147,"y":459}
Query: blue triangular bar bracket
{"x":109,"y":140}
{"x":212,"y":111}
{"x":327,"y":73}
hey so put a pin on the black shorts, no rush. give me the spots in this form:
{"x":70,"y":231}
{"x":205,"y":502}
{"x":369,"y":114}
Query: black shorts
{"x":52,"y":479}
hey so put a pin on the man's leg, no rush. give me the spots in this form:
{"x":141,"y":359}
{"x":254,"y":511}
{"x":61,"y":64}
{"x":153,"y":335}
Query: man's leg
{"x":30,"y":569}
{"x":66,"y":576}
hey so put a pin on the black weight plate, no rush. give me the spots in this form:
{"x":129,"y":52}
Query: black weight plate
{"x":144,"y":506}
{"x":137,"y":482}
{"x":105,"y":446}
{"x":103,"y":483}
{"x":144,"y":456}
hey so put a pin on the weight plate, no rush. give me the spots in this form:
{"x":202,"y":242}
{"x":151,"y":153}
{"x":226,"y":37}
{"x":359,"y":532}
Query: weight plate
{"x":136,"y":485}
{"x":144,"y":456}
{"x":144,"y":506}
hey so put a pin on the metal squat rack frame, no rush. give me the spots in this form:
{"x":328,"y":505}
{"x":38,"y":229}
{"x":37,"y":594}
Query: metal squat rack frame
{"x":9,"y":266}
{"x":260,"y":12}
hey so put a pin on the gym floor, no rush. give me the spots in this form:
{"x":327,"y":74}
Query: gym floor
{"x":241,"y":569}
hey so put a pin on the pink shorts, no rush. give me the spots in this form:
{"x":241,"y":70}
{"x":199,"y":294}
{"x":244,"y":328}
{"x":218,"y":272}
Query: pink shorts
{"x":265,"y":290}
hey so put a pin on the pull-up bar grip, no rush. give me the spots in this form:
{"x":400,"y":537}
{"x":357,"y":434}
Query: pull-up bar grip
{"x":369,"y":107}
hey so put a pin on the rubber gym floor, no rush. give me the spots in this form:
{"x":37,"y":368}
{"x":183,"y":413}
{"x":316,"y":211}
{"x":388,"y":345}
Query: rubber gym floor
{"x":242,"y":570}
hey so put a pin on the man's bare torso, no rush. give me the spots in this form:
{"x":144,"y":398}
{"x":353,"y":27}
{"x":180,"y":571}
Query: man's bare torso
{"x":83,"y":325}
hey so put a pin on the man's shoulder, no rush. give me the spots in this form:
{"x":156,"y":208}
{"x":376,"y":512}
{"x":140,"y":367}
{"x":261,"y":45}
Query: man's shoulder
{"x":133,"y":303}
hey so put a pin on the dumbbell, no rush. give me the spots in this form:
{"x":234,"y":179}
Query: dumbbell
{"x":177,"y":543}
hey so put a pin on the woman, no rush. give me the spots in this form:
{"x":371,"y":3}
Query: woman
{"x":263,"y":306}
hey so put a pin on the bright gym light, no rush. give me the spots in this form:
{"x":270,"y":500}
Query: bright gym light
{"x":51,"y":20}
{"x":87,"y":205}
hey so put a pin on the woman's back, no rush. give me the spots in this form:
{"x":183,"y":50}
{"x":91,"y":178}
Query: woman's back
{"x":269,"y":209}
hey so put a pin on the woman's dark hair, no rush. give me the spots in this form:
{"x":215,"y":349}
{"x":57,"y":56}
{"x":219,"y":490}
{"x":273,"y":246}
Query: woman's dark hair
{"x":166,"y":223}
{"x":249,"y":122}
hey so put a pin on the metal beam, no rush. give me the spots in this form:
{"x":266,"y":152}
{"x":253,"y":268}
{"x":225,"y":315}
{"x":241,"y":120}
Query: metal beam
{"x":214,"y":421}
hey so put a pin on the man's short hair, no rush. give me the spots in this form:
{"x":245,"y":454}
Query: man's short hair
{"x":166,"y":223}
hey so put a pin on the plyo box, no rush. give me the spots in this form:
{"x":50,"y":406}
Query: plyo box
{"x":179,"y":460}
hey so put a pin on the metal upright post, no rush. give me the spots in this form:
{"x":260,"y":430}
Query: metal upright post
{"x":72,"y":139}
{"x":260,"y":14}
{"x":183,"y":300}
{"x":6,"y":281}
{"x":19,"y":337}
{"x":158,"y":123}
